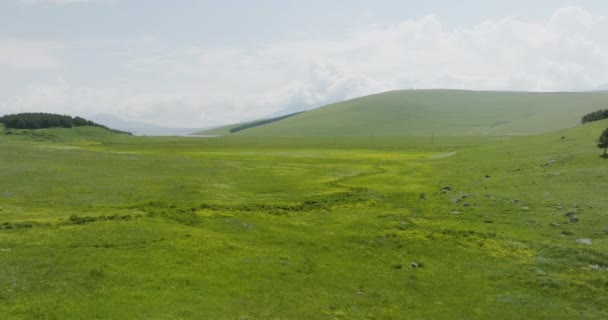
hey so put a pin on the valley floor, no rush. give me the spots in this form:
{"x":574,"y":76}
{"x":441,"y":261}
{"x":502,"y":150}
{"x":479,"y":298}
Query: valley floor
{"x":186,"y":228}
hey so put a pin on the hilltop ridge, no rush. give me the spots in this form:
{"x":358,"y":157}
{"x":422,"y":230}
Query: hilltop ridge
{"x":438,"y":112}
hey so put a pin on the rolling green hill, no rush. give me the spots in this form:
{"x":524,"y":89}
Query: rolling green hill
{"x":76,"y":135}
{"x":439,"y":112}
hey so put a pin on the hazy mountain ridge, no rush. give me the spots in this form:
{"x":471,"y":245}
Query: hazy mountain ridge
{"x":140,"y":128}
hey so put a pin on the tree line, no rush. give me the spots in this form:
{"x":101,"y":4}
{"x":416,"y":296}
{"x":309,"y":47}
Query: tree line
{"x":595,"y":116}
{"x":261,"y":122}
{"x":41,"y":120}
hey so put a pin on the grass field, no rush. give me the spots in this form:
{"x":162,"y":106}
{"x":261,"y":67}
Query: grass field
{"x":437,"y":112}
{"x":99,"y":226}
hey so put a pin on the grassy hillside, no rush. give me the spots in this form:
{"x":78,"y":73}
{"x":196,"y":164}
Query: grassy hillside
{"x":439,"y":112}
{"x":184,"y":228}
{"x":76,"y":135}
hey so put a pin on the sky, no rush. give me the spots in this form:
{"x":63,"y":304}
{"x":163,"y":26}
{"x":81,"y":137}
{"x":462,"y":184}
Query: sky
{"x":199,"y":63}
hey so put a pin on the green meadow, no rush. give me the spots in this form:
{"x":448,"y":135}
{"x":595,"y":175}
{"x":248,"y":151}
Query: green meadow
{"x":95,"y":225}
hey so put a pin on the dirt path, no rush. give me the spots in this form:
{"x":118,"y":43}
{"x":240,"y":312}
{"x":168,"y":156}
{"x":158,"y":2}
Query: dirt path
{"x":444,"y":155}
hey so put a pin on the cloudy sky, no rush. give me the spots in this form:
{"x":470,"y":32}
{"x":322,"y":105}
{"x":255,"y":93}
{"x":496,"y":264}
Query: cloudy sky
{"x":196,"y":63}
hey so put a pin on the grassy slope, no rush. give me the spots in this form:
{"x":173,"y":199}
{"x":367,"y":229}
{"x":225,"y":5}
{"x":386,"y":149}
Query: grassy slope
{"x":440,"y":112}
{"x":193,"y":228}
{"x":77,"y":135}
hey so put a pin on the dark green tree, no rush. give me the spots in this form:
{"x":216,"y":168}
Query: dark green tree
{"x":602,"y":142}
{"x":40,"y":120}
{"x":595,"y":116}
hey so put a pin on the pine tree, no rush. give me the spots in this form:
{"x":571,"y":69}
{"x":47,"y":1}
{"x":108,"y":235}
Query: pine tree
{"x":602,"y":142}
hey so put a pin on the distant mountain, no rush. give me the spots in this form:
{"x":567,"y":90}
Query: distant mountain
{"x":140,"y":128}
{"x":603,"y":87}
{"x":437,"y":112}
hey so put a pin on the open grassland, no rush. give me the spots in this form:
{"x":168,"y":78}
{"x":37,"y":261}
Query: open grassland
{"x":97,"y":226}
{"x":438,"y":112}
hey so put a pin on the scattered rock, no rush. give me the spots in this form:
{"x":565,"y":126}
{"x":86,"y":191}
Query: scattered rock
{"x":465,"y":204}
{"x":414,"y":265}
{"x":584,"y":241}
{"x":574,"y":219}
{"x":456,"y":212}
{"x":569,"y":214}
{"x":488,"y":221}
{"x":447,"y":189}
{"x":462,"y":197}
{"x":525,"y":208}
{"x":554,"y":224}
{"x":606,"y":231}
{"x":548,"y":163}
{"x":516,"y":200}
{"x":566,"y":233}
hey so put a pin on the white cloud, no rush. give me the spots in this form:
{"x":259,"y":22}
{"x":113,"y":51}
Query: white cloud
{"x":59,"y":2}
{"x":21,"y":54}
{"x":63,"y":97}
{"x":196,"y":86}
